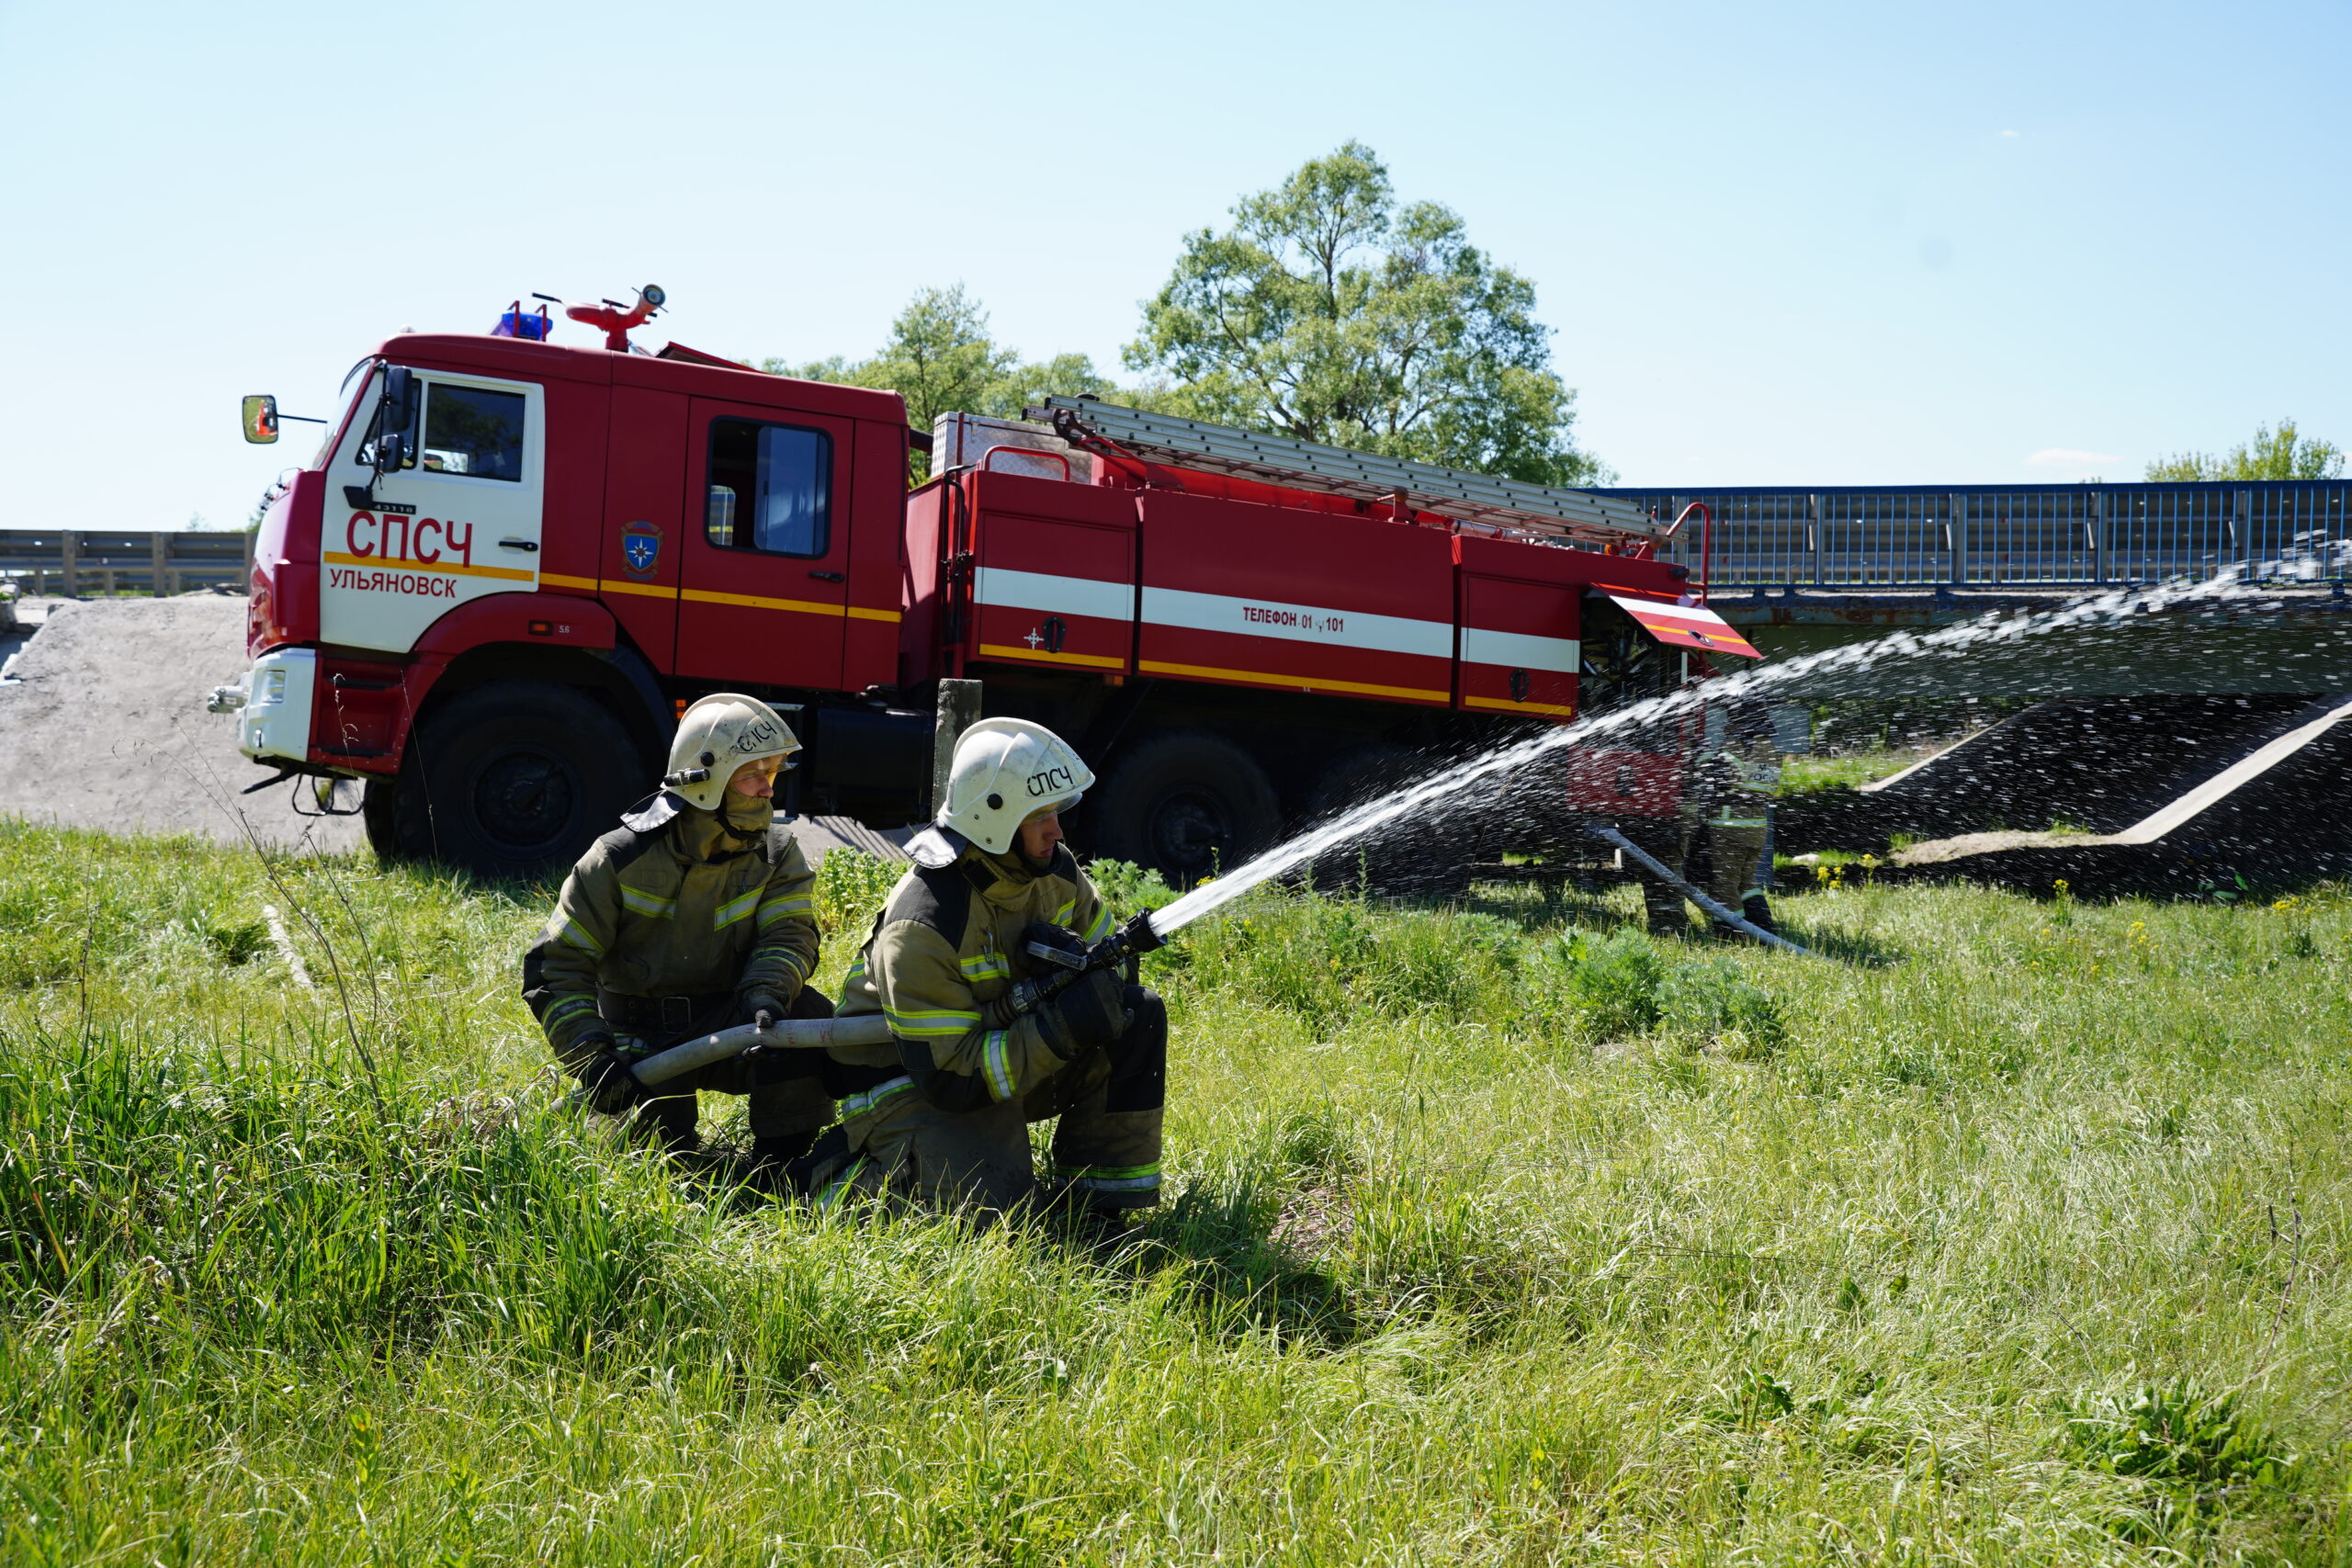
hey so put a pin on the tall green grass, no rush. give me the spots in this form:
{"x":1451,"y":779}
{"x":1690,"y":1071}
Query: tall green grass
{"x":1499,"y":1234}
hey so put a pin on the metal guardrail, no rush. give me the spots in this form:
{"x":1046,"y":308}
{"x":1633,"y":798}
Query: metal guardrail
{"x":2000,"y":535}
{"x":1830,"y":538}
{"x":89,"y":560}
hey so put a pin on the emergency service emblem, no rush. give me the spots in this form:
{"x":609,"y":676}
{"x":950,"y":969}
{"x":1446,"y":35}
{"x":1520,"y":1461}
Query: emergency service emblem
{"x":640,"y":549}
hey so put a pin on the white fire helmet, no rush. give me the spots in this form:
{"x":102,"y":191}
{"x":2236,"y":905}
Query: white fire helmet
{"x":717,"y":735}
{"x":1005,"y":772}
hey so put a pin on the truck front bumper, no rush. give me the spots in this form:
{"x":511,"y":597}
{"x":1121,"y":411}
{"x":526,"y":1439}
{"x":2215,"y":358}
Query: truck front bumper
{"x":272,"y":705}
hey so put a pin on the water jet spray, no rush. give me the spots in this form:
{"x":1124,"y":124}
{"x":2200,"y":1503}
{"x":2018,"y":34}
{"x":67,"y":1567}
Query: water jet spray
{"x":1151,"y":929}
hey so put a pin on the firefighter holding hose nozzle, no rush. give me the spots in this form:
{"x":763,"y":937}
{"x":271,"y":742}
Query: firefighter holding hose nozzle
{"x":694,"y":915}
{"x":998,"y":1016}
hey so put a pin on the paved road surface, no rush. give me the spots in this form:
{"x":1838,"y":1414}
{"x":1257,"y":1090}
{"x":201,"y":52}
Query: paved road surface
{"x":102,"y":725}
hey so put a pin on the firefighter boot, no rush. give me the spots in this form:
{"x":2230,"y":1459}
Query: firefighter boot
{"x":666,"y":1123}
{"x":1668,"y":842}
{"x":785,"y":1118}
{"x":1663,"y":911}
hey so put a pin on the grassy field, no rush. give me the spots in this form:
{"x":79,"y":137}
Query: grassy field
{"x":1851,"y":770}
{"x":2019,"y":1233}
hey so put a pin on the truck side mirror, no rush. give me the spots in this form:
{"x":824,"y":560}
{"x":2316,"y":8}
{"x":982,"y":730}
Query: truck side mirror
{"x":261,"y":418}
{"x":400,"y":393}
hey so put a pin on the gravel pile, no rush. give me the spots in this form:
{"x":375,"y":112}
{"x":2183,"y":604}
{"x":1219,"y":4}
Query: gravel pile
{"x":102,"y":725}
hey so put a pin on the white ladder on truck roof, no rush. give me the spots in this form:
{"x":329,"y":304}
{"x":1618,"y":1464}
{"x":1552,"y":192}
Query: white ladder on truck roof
{"x":1510,"y":505}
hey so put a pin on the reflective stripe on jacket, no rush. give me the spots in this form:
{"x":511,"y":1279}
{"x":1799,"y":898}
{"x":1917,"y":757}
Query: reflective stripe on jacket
{"x":944,"y":948}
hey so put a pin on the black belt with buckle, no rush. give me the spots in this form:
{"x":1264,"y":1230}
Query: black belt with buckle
{"x":662,"y":1015}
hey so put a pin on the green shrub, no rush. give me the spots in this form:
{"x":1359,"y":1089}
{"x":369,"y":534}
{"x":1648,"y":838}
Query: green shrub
{"x":851,"y":888}
{"x":1712,"y":1004}
{"x":1614,"y":982}
{"x":2196,"y":1451}
{"x":1127,"y":887}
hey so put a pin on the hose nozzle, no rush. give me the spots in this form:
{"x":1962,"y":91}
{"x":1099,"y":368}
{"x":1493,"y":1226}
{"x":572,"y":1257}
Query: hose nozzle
{"x":1139,"y":935}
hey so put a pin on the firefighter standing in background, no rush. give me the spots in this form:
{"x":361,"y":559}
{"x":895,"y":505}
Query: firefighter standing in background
{"x":1721,"y":838}
{"x":943,"y":1112}
{"x":694,"y":914}
{"x":1736,"y":776}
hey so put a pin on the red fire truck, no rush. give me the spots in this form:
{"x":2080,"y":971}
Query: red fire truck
{"x":512,"y":563}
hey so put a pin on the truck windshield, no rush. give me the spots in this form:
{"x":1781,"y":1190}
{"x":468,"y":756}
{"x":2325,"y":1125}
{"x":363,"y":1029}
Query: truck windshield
{"x":350,"y":398}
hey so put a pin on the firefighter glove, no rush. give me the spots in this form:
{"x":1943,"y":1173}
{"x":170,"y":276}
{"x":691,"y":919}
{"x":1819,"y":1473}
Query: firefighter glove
{"x":607,"y":1082}
{"x":762,"y":1009}
{"x":1058,"y":939}
{"x":1090,"y":1013}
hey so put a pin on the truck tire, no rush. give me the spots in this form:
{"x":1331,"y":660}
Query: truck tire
{"x":1428,"y":856}
{"x":514,"y":779}
{"x":1187,"y":804}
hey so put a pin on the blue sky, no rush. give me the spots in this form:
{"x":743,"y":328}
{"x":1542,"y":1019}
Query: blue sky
{"x":1806,"y":243}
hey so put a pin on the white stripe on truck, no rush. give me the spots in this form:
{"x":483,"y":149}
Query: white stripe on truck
{"x":1519,"y":651}
{"x":1297,"y":623}
{"x":1179,"y":607}
{"x":1055,"y":595}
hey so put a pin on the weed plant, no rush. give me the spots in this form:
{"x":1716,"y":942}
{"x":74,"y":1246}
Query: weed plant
{"x":1500,"y":1234}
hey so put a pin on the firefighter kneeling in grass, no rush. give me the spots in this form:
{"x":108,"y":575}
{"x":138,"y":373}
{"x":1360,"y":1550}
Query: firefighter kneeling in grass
{"x":943,"y":1116}
{"x":694,"y":916}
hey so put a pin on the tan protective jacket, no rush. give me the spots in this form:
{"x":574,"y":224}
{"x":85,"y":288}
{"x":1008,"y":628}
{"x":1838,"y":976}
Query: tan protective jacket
{"x":942,"y":948}
{"x":681,"y":908}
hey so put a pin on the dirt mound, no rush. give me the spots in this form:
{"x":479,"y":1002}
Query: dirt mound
{"x":102,"y":725}
{"x":1935,"y":852}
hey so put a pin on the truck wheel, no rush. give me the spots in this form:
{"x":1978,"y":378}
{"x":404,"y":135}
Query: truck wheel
{"x":1429,"y":855}
{"x":382,"y":815}
{"x":1187,"y":804}
{"x":510,"y":779}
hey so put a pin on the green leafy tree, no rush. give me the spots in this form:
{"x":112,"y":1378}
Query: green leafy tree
{"x":2282,"y":454}
{"x":942,"y":358}
{"x":1331,"y":312}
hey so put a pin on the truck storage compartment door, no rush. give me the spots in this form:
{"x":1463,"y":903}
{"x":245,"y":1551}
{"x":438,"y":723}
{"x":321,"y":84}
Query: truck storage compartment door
{"x":1053,"y":577}
{"x":1681,"y":622}
{"x":1519,"y":627}
{"x":765,"y":552}
{"x":1303,"y":600}
{"x":458,"y":520}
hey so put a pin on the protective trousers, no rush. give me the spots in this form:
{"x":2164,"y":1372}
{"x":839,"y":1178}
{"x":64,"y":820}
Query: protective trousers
{"x":1665,"y":838}
{"x":1734,"y":853}
{"x":1108,"y":1102}
{"x":787,"y":1109}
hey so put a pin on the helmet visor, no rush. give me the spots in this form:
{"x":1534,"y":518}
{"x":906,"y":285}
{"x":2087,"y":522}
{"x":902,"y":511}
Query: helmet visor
{"x":1061,"y":808}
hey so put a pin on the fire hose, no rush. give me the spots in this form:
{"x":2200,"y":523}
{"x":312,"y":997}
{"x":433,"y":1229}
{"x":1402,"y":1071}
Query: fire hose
{"x":1714,"y":911}
{"x":805,"y":1033}
{"x":1134,"y":937}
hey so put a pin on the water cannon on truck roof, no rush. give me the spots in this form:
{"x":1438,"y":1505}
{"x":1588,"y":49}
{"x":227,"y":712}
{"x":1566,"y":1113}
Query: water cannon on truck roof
{"x":513,"y":562}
